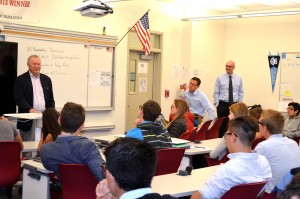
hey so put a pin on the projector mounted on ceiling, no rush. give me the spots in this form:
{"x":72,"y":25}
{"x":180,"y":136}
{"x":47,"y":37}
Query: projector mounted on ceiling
{"x":93,"y":8}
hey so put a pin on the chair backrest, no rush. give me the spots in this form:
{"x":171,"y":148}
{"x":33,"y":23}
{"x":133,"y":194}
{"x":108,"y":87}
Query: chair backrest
{"x":201,"y":133}
{"x":256,"y":141}
{"x":10,"y":166}
{"x":77,"y":181}
{"x":213,"y":162}
{"x":297,"y":139}
{"x":168,"y":160}
{"x":245,"y":191}
{"x":213,"y":132}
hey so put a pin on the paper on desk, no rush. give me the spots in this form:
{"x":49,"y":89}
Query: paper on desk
{"x":200,"y":148}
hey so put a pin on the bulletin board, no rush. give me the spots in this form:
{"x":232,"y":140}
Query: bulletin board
{"x":289,"y":78}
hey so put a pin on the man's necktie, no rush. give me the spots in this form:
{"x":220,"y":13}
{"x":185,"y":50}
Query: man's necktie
{"x":230,"y":92}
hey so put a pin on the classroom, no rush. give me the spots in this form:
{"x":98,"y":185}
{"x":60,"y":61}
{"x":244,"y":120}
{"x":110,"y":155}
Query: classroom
{"x":201,"y":47}
{"x":181,"y":49}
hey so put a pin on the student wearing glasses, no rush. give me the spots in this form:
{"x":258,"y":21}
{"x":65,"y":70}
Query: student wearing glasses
{"x":291,"y":127}
{"x":198,"y":101}
{"x":243,"y":167}
{"x":282,"y":153}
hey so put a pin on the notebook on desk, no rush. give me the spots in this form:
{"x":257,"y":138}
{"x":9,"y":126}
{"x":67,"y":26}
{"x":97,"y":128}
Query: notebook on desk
{"x":177,"y":141}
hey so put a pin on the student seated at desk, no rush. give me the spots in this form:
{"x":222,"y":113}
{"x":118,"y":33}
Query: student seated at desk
{"x":291,"y":127}
{"x":235,"y":110}
{"x":69,"y":147}
{"x":130,"y":167}
{"x":9,"y":132}
{"x":178,"y":125}
{"x":243,"y":167}
{"x":282,"y":153}
{"x":148,"y":130}
{"x":51,"y":129}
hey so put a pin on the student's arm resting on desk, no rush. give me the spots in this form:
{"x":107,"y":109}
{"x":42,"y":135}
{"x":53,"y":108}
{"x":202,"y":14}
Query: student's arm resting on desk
{"x":220,"y":150}
{"x":177,"y":128}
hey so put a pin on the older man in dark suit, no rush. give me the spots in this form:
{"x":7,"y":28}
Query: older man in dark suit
{"x":33,"y":94}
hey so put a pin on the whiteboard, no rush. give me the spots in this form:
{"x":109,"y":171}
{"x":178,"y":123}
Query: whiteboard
{"x":289,"y":76}
{"x":100,"y":76}
{"x":72,"y":68}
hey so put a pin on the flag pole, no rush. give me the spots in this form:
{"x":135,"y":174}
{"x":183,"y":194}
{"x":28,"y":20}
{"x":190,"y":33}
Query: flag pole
{"x":130,"y":29}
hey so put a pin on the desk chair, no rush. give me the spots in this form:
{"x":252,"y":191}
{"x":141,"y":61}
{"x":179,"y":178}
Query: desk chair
{"x":77,"y":181}
{"x":201,"y":133}
{"x":213,"y":162}
{"x":245,"y":191}
{"x":297,"y":139}
{"x":256,"y":142}
{"x":213,"y":132}
{"x":168,"y":160}
{"x":10,"y":166}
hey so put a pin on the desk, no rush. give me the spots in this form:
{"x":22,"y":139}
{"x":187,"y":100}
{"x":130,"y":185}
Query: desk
{"x":36,"y":181}
{"x":208,"y":145}
{"x":180,"y":186}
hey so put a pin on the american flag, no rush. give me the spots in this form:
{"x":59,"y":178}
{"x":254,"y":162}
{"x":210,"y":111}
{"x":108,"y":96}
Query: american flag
{"x":143,"y":32}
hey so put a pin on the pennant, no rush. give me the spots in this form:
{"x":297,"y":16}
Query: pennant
{"x":273,"y":64}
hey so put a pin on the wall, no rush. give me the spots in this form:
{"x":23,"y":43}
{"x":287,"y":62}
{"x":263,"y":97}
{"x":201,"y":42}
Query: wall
{"x":203,"y":46}
{"x":125,"y":16}
{"x":248,"y":42}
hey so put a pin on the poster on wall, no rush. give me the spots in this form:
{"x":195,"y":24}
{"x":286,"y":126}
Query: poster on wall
{"x":273,"y":64}
{"x":142,"y":84}
{"x":19,"y":11}
{"x":142,"y":67}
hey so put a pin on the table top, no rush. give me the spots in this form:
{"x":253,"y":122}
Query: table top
{"x":25,"y":115}
{"x":180,"y":186}
{"x":38,"y":166}
{"x":203,"y":147}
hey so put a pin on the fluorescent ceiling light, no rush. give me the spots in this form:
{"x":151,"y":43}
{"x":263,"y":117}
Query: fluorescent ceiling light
{"x":211,"y":18}
{"x":240,"y":15}
{"x":270,"y":14}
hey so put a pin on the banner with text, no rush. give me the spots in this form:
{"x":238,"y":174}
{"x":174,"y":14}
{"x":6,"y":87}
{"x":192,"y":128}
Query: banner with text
{"x":19,"y":11}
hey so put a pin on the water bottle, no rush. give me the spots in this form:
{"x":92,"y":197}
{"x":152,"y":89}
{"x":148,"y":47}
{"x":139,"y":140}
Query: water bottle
{"x":196,"y":120}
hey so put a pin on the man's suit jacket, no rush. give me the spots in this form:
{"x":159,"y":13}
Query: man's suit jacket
{"x":23,"y":93}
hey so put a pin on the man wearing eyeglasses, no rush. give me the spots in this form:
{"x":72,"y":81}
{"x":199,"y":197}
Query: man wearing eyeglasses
{"x":198,"y":101}
{"x":228,"y":90}
{"x":291,"y":127}
{"x":244,"y":167}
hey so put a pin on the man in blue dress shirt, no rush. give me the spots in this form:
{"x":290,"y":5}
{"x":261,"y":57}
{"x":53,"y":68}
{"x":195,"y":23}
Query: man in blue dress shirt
{"x":198,"y":101}
{"x":221,"y":93}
